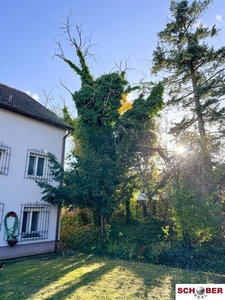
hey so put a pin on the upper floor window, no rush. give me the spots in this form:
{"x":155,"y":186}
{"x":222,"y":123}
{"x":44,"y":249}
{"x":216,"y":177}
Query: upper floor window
{"x":37,"y":165}
{"x":5,"y":153}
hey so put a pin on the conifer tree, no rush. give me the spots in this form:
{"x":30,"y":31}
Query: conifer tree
{"x":194,"y":71}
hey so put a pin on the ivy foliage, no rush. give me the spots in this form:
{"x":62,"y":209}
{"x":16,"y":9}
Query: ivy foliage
{"x":106,"y":139}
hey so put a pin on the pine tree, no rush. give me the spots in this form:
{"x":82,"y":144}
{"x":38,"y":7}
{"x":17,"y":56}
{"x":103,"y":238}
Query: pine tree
{"x":195,"y":71}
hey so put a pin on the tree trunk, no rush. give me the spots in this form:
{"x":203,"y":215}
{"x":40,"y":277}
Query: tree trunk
{"x":187,"y":241}
{"x":207,"y":162}
{"x":201,"y":125}
{"x":127,"y":207}
{"x":103,"y":223}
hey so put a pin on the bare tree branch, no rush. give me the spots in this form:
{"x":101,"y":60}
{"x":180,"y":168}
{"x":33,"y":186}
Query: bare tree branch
{"x":66,"y":87}
{"x":122,"y":66}
{"x":79,"y":43}
{"x":48,"y":97}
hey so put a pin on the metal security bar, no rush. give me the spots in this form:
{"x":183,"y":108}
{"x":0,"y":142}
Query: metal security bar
{"x":34,"y":221}
{"x":37,"y":165}
{"x":5,"y":153}
{"x":1,"y":213}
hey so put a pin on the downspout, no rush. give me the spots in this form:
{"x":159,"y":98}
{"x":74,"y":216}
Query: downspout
{"x":60,"y":184}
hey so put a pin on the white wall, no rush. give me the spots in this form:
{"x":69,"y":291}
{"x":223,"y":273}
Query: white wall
{"x":22,"y":133}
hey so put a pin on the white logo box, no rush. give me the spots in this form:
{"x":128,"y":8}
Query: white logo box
{"x":200,"y":291}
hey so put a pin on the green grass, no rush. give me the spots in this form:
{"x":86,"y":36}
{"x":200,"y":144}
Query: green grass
{"x":86,"y":277}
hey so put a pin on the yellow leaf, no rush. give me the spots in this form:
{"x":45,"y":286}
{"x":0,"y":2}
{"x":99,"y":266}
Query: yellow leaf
{"x":125,"y":104}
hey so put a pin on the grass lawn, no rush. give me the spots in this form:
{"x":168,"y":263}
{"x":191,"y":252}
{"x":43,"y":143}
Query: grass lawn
{"x":90,"y":277}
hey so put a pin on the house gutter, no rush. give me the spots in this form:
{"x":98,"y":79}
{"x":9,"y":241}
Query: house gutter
{"x":60,"y":184}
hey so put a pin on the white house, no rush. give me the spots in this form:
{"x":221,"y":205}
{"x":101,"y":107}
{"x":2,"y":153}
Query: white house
{"x":27,"y":132}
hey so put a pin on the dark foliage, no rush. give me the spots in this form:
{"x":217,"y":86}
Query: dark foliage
{"x":204,"y":259}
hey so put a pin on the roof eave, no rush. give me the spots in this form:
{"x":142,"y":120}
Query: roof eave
{"x":49,"y":122}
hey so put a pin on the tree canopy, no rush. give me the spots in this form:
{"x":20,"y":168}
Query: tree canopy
{"x":194,"y":71}
{"x":194,"y":79}
{"x":115,"y":138}
{"x":109,"y":137}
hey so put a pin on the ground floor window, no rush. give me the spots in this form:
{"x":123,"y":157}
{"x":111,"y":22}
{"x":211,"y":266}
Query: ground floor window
{"x":1,"y":213}
{"x":34,"y":221}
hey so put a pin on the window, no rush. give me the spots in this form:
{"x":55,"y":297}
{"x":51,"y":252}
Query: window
{"x":5,"y":153}
{"x":1,"y":213}
{"x":35,"y":221}
{"x":37,"y":165}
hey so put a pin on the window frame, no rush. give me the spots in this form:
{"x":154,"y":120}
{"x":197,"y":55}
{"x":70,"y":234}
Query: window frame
{"x":32,"y":169}
{"x":5,"y":154}
{"x":1,"y":213}
{"x":41,"y":223}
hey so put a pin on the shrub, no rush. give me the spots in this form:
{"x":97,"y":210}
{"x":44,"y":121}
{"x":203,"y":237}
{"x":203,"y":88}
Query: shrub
{"x":210,"y":259}
{"x":123,"y":249}
{"x":151,"y":253}
{"x":137,"y":241}
{"x":204,"y":259}
{"x":86,"y":238}
{"x":178,"y":257}
{"x":141,"y":241}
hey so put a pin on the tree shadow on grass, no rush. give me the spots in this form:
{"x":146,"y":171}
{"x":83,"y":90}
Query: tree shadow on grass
{"x":87,"y":279}
{"x":22,"y":278}
{"x":158,"y":282}
{"x":34,"y":278}
{"x":167,"y":278}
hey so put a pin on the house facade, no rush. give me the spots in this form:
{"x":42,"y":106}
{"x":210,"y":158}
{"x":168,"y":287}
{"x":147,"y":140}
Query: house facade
{"x":28,"y":131}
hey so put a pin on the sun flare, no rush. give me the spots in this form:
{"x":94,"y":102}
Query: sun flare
{"x":180,"y":149}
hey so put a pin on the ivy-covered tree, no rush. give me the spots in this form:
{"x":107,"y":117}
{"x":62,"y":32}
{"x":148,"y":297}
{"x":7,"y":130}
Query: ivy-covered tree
{"x":108,"y":137}
{"x":194,"y":71}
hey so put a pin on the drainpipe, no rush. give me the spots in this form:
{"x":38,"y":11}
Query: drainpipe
{"x":60,"y":184}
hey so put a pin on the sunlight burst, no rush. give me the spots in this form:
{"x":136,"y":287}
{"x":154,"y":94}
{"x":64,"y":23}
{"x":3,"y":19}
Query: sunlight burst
{"x":180,"y":149}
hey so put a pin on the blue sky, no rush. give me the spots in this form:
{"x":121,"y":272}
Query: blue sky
{"x":122,"y":29}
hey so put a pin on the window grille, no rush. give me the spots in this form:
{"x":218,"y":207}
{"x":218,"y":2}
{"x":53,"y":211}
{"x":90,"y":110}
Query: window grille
{"x":37,"y":165}
{"x":5,"y":153}
{"x":34,"y":221}
{"x":1,"y":213}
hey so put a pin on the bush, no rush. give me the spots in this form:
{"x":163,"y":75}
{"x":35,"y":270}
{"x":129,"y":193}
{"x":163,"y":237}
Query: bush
{"x":123,"y":249}
{"x":179,"y":258}
{"x":141,"y":233}
{"x":150,"y":253}
{"x":140,"y":241}
{"x":203,"y":259}
{"x":137,"y":241}
{"x":210,"y":259}
{"x":86,"y":238}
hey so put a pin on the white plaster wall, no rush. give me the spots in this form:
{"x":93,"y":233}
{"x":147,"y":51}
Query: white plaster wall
{"x":22,"y":133}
